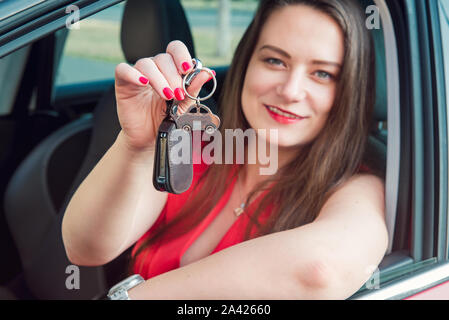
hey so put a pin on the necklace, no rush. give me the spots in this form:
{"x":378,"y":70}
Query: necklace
{"x":239,"y":210}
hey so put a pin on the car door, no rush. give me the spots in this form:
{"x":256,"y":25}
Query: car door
{"x":419,"y":31}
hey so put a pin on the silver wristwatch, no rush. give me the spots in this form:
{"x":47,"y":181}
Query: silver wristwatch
{"x":120,"y":290}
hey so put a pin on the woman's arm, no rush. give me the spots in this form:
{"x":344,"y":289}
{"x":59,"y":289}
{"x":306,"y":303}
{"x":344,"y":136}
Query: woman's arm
{"x":330,"y":258}
{"x":112,"y":207}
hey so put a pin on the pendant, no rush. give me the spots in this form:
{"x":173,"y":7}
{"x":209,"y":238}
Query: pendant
{"x":239,"y":210}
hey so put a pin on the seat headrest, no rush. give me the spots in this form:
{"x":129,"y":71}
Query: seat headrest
{"x":149,"y":25}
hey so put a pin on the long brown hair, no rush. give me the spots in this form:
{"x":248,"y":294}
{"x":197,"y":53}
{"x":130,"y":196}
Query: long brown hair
{"x":331,"y":159}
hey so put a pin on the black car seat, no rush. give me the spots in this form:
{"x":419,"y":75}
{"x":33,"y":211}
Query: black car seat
{"x":41,"y":187}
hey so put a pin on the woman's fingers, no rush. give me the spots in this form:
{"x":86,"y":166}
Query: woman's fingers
{"x":181,"y":56}
{"x":164,"y":73}
{"x":194,"y":89}
{"x":183,"y":62}
{"x":167,"y":67}
{"x":124,"y":74}
{"x":156,"y":79}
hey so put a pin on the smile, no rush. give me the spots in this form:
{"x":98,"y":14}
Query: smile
{"x":282,"y":116}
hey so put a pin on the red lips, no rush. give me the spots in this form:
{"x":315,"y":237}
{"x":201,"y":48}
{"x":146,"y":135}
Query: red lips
{"x":282,"y":119}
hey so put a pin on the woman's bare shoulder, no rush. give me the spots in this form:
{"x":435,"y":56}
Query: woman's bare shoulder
{"x":363,"y":191}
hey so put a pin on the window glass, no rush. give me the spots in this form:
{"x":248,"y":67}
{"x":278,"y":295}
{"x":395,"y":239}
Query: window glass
{"x":217,"y":26}
{"x":92,"y":50}
{"x":444,"y":22}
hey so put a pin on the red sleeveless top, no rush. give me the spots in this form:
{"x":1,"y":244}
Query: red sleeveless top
{"x":164,"y":256}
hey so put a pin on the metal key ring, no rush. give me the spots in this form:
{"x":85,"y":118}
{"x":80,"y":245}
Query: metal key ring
{"x":197,"y":71}
{"x":197,"y":66}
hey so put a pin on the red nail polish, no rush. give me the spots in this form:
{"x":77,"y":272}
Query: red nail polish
{"x":185,"y":66}
{"x":143,"y":80}
{"x":168,"y":93}
{"x":213,"y":72}
{"x":179,"y":94}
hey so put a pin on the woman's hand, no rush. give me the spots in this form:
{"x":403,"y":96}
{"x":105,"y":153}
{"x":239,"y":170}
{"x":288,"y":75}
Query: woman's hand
{"x":143,"y":89}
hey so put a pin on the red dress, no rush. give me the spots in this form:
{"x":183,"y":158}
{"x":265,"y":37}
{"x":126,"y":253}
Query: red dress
{"x":166,"y":255}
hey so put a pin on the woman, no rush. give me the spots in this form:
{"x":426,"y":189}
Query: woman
{"x":315,"y":229}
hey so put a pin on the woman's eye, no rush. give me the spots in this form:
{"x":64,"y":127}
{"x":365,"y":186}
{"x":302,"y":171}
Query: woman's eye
{"x":274,"y":61}
{"x":324,"y":75}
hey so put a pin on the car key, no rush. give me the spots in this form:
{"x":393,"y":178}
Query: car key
{"x":174,"y":177}
{"x":169,"y":176}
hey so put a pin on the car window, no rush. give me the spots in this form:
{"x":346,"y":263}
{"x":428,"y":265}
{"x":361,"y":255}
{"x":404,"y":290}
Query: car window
{"x":217,"y":26}
{"x":92,"y":49}
{"x":214,"y":41}
{"x":444,"y":23}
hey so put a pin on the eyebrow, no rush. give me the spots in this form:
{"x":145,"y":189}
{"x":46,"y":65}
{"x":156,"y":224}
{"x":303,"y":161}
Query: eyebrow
{"x":285,"y":54}
{"x":276,"y":49}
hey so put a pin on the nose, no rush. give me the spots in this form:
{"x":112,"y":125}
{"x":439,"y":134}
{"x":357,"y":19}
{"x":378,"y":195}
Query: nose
{"x":293,"y":87}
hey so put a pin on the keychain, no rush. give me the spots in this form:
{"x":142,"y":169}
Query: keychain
{"x":168,"y":176}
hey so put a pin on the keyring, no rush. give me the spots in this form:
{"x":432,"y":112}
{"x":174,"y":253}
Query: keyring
{"x":197,"y":66}
{"x":192,"y":74}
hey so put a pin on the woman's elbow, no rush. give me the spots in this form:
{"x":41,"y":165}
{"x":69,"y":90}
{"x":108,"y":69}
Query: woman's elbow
{"x":79,"y":259}
{"x":84,"y":261}
{"x":319,"y":279}
{"x":316,"y":274}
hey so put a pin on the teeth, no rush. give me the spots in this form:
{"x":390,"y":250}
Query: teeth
{"x":284,"y":114}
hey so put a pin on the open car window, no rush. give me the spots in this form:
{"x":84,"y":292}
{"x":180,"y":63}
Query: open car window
{"x":92,"y":48}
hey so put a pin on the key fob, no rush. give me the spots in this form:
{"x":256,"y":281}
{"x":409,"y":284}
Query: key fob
{"x":169,"y":175}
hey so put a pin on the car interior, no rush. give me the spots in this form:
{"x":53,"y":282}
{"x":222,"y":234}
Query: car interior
{"x":60,"y":136}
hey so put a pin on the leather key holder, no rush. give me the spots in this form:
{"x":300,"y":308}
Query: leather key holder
{"x":168,"y":175}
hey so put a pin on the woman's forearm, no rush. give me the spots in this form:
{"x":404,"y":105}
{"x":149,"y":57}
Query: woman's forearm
{"x":254,"y":269}
{"x":113,"y":206}
{"x":301,"y":263}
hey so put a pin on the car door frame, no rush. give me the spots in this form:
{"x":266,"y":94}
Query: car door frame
{"x":423,"y":93}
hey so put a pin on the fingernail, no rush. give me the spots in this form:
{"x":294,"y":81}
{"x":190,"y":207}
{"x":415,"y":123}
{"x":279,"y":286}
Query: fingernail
{"x":185,"y":66}
{"x":143,"y":80}
{"x":168,"y":93}
{"x":214,"y":73}
{"x":179,"y":94}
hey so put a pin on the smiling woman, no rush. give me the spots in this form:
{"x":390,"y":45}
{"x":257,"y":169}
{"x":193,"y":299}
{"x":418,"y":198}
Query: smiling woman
{"x":293,"y":80}
{"x":311,"y":230}
{"x":294,"y":74}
